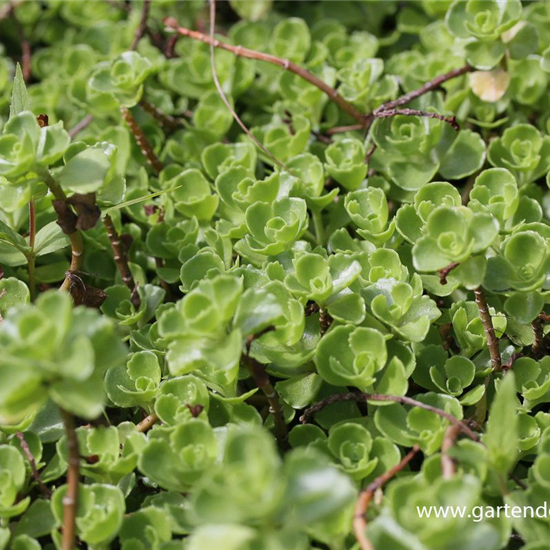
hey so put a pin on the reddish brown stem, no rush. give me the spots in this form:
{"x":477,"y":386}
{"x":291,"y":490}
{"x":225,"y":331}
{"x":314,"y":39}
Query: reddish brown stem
{"x":415,"y":112}
{"x":25,"y":48}
{"x":360,"y":397}
{"x":121,"y":258}
{"x":142,"y":27}
{"x":424,"y":89}
{"x":26,"y":449}
{"x":366,"y":495}
{"x":448,"y":466}
{"x":487,"y":321}
{"x":82,"y":125}
{"x":285,"y":64}
{"x":142,"y":141}
{"x":70,"y":500}
{"x":262,"y":381}
{"x":537,"y":349}
{"x":167,"y":122}
{"x":444,"y":273}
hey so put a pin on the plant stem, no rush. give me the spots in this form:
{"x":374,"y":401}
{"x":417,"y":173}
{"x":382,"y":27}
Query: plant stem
{"x":286,"y":64}
{"x":142,"y":141}
{"x":142,"y":27}
{"x":121,"y":258}
{"x":77,"y":244}
{"x":31,"y":259}
{"x":167,"y":122}
{"x":361,"y":396}
{"x":366,"y":495}
{"x":537,"y":349}
{"x":262,"y":381}
{"x":424,"y":89}
{"x":387,"y":113}
{"x":492,"y":341}
{"x":26,"y":449}
{"x":147,"y":423}
{"x":83,"y":124}
{"x":70,"y":500}
{"x":318,"y":226}
{"x":448,"y":466}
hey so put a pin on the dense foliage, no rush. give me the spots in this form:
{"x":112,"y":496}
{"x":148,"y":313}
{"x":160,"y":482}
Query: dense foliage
{"x":248,"y":279}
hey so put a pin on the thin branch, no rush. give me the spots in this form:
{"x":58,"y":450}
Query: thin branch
{"x":537,"y":349}
{"x":167,"y":122}
{"x":492,"y":341}
{"x":366,"y":495}
{"x":142,"y":27}
{"x":444,"y":273}
{"x":142,"y":141}
{"x":262,"y":381}
{"x":212,"y":42}
{"x":147,"y":423}
{"x":286,"y":64}
{"x":428,"y":87}
{"x":26,"y":449}
{"x":349,"y":128}
{"x":31,"y":258}
{"x":387,"y":113}
{"x":121,"y":259}
{"x":77,"y":244}
{"x":70,"y":500}
{"x":82,"y":125}
{"x":360,"y":397}
{"x":448,"y":466}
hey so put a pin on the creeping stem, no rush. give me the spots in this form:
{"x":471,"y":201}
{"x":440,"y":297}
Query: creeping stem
{"x":487,"y":321}
{"x":70,"y":500}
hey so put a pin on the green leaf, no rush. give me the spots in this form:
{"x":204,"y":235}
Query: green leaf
{"x":502,"y":435}
{"x":19,"y":96}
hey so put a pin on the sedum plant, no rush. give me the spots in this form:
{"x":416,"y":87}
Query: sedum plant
{"x":274,"y":275}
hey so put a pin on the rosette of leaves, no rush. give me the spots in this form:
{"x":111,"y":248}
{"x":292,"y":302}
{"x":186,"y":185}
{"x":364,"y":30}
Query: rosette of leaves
{"x":368,"y":210}
{"x":99,"y":515}
{"x":523,"y":263}
{"x":122,"y":78}
{"x":219,"y":157}
{"x":178,"y":397}
{"x":396,"y":524}
{"x":193,"y":196}
{"x":13,"y":474}
{"x":205,"y":330}
{"x":407,"y":426}
{"x":468,"y":327}
{"x":364,"y":84}
{"x":273,"y":227}
{"x":351,"y":356}
{"x":533,"y":380}
{"x":357,"y":453}
{"x":454,"y":376}
{"x":453,"y":235}
{"x":410,"y":219}
{"x":326,"y":282}
{"x":523,"y":150}
{"x":65,"y":362}
{"x":177,"y":457}
{"x":309,"y":182}
{"x":482,"y":24}
{"x":411,"y":150}
{"x":397,"y":300}
{"x":282,"y":140}
{"x":108,"y":454}
{"x":120,"y":306}
{"x":148,"y":527}
{"x":24,"y":145}
{"x":136,"y":383}
{"x":496,"y":191}
{"x":345,"y":162}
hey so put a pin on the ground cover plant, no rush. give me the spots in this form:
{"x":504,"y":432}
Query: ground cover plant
{"x":274,"y":275}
